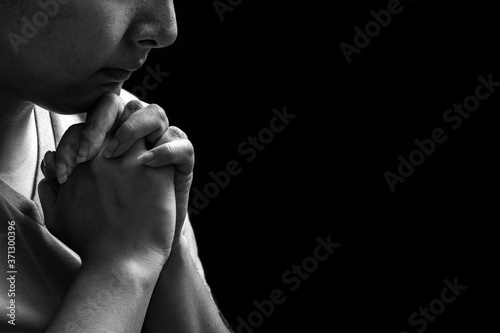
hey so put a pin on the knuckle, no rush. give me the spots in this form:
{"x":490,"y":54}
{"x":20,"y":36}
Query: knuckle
{"x":189,"y":149}
{"x":126,"y":130}
{"x":176,"y":133}
{"x":158,"y":113}
{"x":92,"y":131}
{"x":167,"y":150}
{"x":180,"y":152}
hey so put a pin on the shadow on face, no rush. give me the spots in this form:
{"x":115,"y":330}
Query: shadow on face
{"x":65,"y":54}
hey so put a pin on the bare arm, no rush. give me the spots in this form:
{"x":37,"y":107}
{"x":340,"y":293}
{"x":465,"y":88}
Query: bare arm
{"x":107,"y":296}
{"x":182,"y":301}
{"x":122,"y":230}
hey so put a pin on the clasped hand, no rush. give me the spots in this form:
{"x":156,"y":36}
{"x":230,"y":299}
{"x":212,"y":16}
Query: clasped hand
{"x":105,"y":194}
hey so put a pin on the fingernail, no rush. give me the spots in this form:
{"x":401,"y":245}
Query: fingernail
{"x":83,"y":152}
{"x":111,"y":148}
{"x":61,"y":173}
{"x":146,"y":157}
{"x":134,"y":105}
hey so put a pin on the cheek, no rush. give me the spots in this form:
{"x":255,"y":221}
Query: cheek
{"x":56,"y":67}
{"x":73,"y":44}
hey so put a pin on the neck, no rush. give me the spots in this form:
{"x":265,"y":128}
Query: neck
{"x":18,"y":144}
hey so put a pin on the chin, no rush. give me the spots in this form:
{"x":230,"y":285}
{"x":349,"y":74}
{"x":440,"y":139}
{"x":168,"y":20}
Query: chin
{"x":80,"y":102}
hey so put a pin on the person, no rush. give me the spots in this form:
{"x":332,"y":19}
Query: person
{"x":97,"y":239}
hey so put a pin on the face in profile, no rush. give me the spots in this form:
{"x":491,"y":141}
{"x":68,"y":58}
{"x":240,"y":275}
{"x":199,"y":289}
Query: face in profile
{"x":65,"y":54}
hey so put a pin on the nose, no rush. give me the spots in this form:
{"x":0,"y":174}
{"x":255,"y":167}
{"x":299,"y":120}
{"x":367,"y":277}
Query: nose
{"x":155,"y":25}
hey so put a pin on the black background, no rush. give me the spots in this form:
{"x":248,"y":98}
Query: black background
{"x":323,"y":175}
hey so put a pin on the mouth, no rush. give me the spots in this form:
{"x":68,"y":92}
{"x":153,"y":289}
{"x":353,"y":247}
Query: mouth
{"x":116,"y":74}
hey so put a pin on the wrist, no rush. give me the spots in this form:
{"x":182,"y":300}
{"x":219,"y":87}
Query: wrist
{"x":128,"y":269}
{"x":124,"y":252}
{"x":179,"y":253}
{"x":177,"y":266}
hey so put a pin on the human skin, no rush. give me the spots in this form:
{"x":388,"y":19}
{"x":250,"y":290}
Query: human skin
{"x":181,"y":301}
{"x":63,"y":69}
{"x":170,"y":145}
{"x":60,"y":68}
{"x":121,"y":227}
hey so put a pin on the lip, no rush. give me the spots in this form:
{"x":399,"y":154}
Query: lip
{"x":117,"y":74}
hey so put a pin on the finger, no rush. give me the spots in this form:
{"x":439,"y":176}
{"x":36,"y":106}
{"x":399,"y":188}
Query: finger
{"x":104,"y":118}
{"x":179,"y":153}
{"x":174,"y":148}
{"x":173,"y":133}
{"x":167,"y":152}
{"x":150,"y":122}
{"x":49,"y":170}
{"x":131,"y":108}
{"x":66,"y":153}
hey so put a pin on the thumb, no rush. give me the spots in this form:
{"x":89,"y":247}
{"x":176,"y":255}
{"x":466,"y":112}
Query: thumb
{"x":99,"y":122}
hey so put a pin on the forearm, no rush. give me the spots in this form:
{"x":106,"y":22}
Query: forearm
{"x":110,"y":296}
{"x":182,"y":302}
